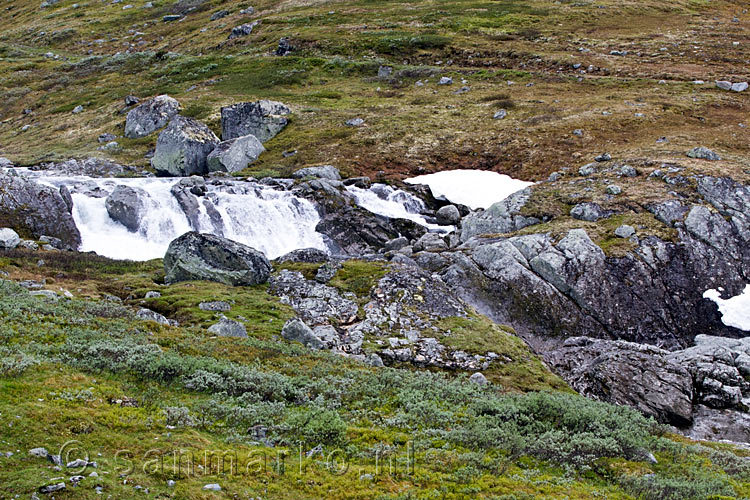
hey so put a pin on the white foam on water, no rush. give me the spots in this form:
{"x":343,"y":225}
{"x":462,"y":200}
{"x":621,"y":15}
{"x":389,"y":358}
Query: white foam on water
{"x":473,"y":188}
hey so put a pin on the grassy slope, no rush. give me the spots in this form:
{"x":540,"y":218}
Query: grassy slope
{"x":86,"y":356}
{"x":332,"y":77}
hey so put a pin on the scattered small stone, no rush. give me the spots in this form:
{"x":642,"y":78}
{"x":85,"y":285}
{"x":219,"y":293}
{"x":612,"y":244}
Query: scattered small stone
{"x":445,"y":81}
{"x":614,"y":189}
{"x":212,"y":487}
{"x":228,"y":328}
{"x":479,"y":379}
{"x":217,"y":305}
{"x":499,"y":115}
{"x":628,"y":171}
{"x":618,"y":53}
{"x":588,"y":169}
{"x":739,"y":87}
{"x":171,"y":17}
{"x":385,"y":72}
{"x":603,"y":157}
{"x":355,"y":122}
{"x":131,"y":100}
{"x":78,"y":109}
{"x":724,"y":85}
{"x":625,"y":231}
{"x":104,"y":138}
{"x":153,"y":295}
{"x":578,"y":132}
{"x":218,"y":15}
{"x":698,"y":82}
{"x":51,"y":488}
{"x":39,"y":452}
{"x":242,"y":30}
{"x":662,"y":140}
{"x":703,"y":153}
{"x":170,"y":483}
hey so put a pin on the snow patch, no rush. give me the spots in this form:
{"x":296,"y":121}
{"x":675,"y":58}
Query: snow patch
{"x":473,"y":188}
{"x":735,"y":311}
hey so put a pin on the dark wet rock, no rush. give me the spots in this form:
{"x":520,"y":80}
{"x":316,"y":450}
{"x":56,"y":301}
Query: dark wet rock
{"x":186,"y":192}
{"x":183,"y":148}
{"x":196,"y":256}
{"x":448,"y":215}
{"x":27,"y":206}
{"x":263,"y":119}
{"x":127,"y":205}
{"x":150,"y":116}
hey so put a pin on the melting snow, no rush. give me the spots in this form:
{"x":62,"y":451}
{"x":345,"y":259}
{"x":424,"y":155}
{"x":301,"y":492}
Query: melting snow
{"x":734,"y":311}
{"x":473,"y":188}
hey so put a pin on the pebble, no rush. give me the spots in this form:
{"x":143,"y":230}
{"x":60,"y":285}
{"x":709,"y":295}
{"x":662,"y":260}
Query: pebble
{"x":499,"y":115}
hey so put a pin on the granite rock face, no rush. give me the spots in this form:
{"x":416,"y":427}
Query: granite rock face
{"x":183,"y":147}
{"x":150,"y":116}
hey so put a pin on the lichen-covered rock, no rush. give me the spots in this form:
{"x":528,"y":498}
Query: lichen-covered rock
{"x":703,"y":153}
{"x":27,"y":206}
{"x":183,"y":147}
{"x":308,"y":255}
{"x":150,"y":116}
{"x":196,"y":256}
{"x":296,"y":330}
{"x":235,"y":154}
{"x":263,"y":119}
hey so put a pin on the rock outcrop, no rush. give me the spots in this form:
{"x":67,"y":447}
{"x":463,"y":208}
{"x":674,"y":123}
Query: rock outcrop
{"x":36,"y":209}
{"x":183,"y":148}
{"x":263,"y":119}
{"x":150,"y":116}
{"x":196,"y":256}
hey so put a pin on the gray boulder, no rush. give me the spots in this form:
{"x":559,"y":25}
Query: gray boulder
{"x":126,"y":205}
{"x":624,"y":231}
{"x":322,"y":172}
{"x":308,"y":255}
{"x":196,"y":256}
{"x":183,"y":148}
{"x":448,"y":215}
{"x":296,"y":330}
{"x":37,"y":209}
{"x":263,"y":119}
{"x":430,"y":242}
{"x":590,"y":212}
{"x":9,"y":238}
{"x":703,"y":153}
{"x":235,"y":154}
{"x":150,"y":116}
{"x":149,"y":315}
{"x":724,"y":85}
{"x":242,"y":30}
{"x":228,"y":328}
{"x":479,"y":379}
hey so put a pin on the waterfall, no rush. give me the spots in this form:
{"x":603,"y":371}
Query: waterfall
{"x":394,"y":203}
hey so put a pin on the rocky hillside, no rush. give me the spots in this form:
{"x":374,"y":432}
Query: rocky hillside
{"x":313,"y":326}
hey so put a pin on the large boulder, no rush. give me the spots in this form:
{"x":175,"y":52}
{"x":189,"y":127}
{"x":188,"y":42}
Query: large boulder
{"x":37,"y":209}
{"x":235,"y":154}
{"x":296,"y":330}
{"x":183,"y":148}
{"x":228,"y":328}
{"x":127,"y":206}
{"x":356,"y":231}
{"x":197,"y":256}
{"x":307,"y":255}
{"x":263,"y":119}
{"x":150,"y":116}
{"x":9,"y":238}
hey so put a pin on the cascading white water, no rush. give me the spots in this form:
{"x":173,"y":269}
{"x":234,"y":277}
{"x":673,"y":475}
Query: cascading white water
{"x":274,"y":222}
{"x":394,"y":203}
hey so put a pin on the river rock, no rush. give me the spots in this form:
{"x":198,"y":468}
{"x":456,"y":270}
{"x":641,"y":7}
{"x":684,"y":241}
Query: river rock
{"x":263,"y":119}
{"x":150,"y":116}
{"x":127,"y":206}
{"x":448,"y":215}
{"x":322,"y":172}
{"x":41,"y":210}
{"x":183,"y":147}
{"x":9,"y":238}
{"x":228,"y":328}
{"x":235,"y":154}
{"x":196,"y":256}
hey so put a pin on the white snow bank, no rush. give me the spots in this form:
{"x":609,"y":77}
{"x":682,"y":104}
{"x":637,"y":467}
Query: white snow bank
{"x":473,"y":188}
{"x":734,"y":311}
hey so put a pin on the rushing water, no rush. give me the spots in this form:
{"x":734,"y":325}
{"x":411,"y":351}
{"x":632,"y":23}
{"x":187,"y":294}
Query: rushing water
{"x":271,"y":220}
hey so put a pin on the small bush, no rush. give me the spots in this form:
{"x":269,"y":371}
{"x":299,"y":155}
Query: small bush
{"x":317,"y":426}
